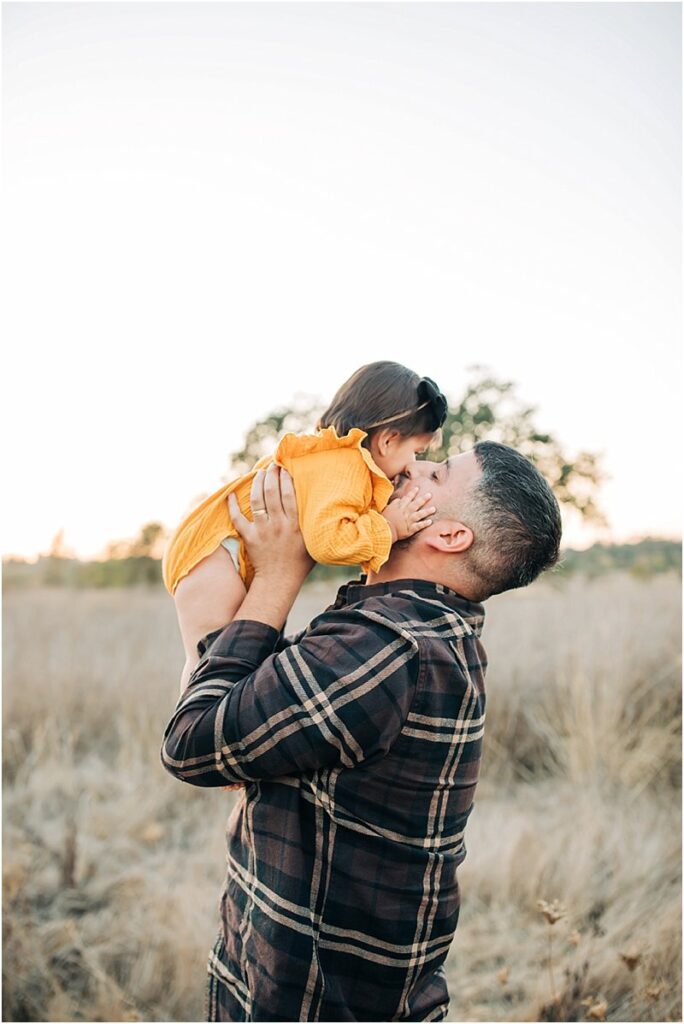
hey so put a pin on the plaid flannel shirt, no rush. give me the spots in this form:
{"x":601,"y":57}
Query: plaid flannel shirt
{"x":359,"y":743}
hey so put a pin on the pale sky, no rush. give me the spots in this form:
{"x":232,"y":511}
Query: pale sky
{"x":209,"y":208}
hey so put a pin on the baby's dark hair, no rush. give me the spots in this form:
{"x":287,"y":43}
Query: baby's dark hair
{"x":386,"y":394}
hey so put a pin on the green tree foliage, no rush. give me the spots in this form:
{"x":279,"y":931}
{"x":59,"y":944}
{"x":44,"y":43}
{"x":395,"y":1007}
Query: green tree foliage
{"x":58,"y":547}
{"x":58,"y":559}
{"x":149,"y":543}
{"x":263,"y":436}
{"x":642,"y":559}
{"x":489,"y":410}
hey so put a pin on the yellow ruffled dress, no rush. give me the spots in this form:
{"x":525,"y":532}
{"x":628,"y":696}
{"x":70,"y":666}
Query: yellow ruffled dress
{"x":340,"y":496}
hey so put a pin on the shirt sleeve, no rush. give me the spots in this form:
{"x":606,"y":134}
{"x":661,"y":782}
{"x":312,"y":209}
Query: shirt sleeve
{"x":338,"y":697}
{"x":281,"y":643}
{"x":350,"y":537}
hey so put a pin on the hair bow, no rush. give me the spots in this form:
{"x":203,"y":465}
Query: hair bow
{"x":429,"y":392}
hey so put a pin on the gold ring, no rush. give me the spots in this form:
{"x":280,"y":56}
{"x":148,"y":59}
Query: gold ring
{"x":259,"y":512}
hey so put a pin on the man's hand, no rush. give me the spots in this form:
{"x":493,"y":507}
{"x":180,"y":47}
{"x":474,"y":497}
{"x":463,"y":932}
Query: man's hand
{"x":409,"y":514}
{"x":275,"y":546}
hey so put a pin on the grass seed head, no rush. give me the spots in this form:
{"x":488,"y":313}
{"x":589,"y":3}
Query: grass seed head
{"x":552,"y":912}
{"x":152,"y":832}
{"x":598,"y":1011}
{"x":631,"y":960}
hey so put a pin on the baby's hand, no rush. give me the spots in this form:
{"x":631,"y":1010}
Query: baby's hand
{"x":409,"y":514}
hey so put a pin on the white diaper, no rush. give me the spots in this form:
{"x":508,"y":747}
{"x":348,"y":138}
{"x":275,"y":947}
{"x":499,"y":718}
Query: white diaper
{"x":232,"y":546}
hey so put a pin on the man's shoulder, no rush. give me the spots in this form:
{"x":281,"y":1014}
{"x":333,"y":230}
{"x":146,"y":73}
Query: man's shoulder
{"x":425,"y":610}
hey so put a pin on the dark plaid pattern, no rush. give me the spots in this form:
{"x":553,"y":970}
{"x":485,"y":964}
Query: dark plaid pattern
{"x":359,"y":743}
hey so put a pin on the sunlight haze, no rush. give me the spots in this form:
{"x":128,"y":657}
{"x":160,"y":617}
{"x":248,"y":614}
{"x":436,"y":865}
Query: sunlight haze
{"x":211,"y":208}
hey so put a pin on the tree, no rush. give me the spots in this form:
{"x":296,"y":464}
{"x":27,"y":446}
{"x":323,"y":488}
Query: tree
{"x":263,"y":436}
{"x":490,"y":410}
{"x":129,"y":562}
{"x":58,"y":547}
{"x":148,"y":544}
{"x":150,"y":541}
{"x":58,"y":562}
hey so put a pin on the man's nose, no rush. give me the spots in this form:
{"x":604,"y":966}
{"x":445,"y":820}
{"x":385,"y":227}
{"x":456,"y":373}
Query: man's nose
{"x":415,"y":470}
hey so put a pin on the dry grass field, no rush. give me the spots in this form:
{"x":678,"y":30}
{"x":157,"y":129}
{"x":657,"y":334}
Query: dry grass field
{"x":112,"y":869}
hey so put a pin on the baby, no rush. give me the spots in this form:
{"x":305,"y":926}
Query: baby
{"x":378,"y":421}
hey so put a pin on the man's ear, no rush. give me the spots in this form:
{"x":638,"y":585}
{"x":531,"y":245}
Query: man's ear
{"x":451,"y":537}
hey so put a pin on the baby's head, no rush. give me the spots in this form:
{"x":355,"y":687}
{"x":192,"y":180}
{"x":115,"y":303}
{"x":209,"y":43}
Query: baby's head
{"x":400,"y":411}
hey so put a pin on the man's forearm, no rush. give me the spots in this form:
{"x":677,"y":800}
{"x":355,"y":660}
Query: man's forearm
{"x":189,"y":750}
{"x":269,"y":600}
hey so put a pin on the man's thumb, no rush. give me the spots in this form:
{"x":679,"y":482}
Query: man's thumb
{"x":239,"y":521}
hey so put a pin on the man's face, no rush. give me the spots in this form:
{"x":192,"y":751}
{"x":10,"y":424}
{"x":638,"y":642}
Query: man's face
{"x":448,"y":482}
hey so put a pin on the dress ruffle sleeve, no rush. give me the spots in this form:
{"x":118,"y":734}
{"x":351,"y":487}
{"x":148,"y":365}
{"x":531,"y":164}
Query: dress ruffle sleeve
{"x":341,"y":493}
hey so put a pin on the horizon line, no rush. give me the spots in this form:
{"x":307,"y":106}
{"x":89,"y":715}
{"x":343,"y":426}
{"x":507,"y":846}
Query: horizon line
{"x":35,"y":557}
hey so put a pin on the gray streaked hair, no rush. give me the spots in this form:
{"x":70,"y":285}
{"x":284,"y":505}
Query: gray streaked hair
{"x":515,"y":518}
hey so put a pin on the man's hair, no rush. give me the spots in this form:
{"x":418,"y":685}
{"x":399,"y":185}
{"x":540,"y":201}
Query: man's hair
{"x":515,"y":518}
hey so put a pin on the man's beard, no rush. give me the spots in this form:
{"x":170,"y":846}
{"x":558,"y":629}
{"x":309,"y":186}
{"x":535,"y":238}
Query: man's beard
{"x":403,"y":545}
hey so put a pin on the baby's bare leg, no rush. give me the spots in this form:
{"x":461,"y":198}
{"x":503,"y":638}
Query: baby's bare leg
{"x":206,"y":599}
{"x":186,"y":673}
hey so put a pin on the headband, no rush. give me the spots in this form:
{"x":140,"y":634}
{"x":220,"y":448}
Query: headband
{"x":430,"y":395}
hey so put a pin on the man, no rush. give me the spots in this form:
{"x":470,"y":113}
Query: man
{"x":359,"y":744}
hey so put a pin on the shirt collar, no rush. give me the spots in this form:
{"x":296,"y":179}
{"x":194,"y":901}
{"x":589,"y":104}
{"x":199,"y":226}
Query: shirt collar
{"x":358,"y":590}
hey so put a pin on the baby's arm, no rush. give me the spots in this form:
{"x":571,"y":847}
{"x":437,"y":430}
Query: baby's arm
{"x":409,"y":514}
{"x":338,"y":524}
{"x":206,"y":599}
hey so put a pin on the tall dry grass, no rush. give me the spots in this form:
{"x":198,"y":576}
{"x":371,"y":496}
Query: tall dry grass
{"x":112,"y":870}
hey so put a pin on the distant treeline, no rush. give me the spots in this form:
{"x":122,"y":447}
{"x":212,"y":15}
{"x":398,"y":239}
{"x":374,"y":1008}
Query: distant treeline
{"x":53,"y":571}
{"x":641,"y":559}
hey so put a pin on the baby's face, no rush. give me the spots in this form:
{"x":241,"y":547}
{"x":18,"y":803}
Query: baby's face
{"x":395,"y":453}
